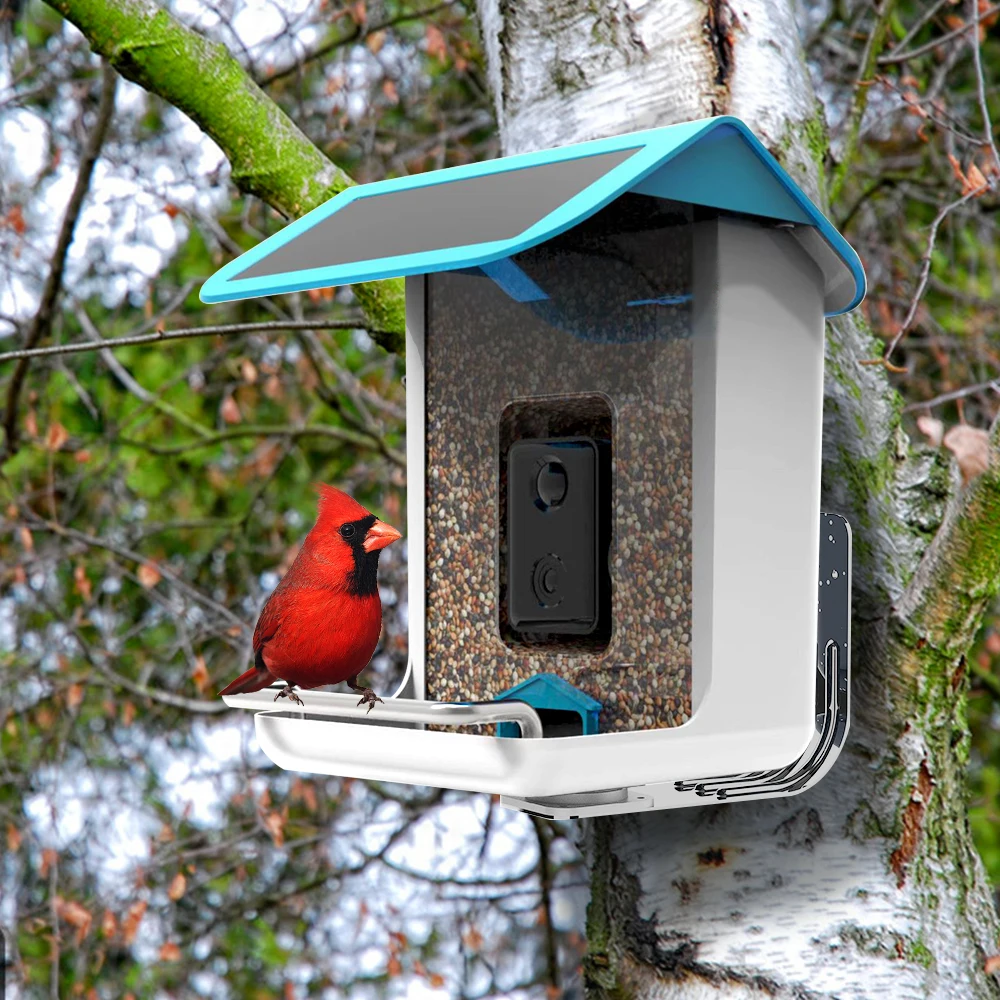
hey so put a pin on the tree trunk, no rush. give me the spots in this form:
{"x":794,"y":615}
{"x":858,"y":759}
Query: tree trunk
{"x":868,"y":885}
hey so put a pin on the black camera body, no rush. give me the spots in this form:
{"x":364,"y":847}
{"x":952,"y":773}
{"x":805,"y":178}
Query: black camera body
{"x":558,"y":536}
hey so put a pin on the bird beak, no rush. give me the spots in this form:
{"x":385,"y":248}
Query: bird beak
{"x":379,"y":536}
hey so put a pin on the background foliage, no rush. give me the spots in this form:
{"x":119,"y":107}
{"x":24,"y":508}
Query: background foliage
{"x":154,"y":494}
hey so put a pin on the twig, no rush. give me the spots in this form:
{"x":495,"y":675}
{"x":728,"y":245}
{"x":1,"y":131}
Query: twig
{"x":116,"y":680}
{"x":39,"y":524}
{"x":950,"y":397}
{"x":353,"y":35}
{"x":41,"y":325}
{"x":925,"y":268}
{"x":267,"y":430}
{"x":195,"y":331}
{"x":898,"y":57}
{"x":981,"y":86}
{"x":125,"y":377}
{"x":544,"y":835}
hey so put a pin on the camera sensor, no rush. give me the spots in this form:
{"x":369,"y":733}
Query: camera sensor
{"x":557,"y":535}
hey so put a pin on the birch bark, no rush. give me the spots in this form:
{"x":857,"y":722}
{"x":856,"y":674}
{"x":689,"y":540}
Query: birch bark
{"x":868,"y":885}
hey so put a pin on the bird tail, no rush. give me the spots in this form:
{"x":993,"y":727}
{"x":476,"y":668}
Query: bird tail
{"x":252,"y":680}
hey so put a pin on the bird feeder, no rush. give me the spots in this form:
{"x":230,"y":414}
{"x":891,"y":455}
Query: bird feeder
{"x":618,"y":567}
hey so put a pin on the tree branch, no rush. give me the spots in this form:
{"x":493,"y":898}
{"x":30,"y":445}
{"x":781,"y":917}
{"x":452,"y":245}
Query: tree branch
{"x":41,"y":325}
{"x":188,"y":334}
{"x":269,"y":156}
{"x":357,"y":32}
{"x":359,"y":439}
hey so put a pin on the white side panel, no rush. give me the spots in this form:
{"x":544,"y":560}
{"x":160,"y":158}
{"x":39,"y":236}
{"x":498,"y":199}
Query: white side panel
{"x":768,"y":409}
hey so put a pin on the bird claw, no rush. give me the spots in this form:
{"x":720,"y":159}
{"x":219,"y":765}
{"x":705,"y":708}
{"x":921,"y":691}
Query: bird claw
{"x":369,"y":698}
{"x":287,"y":692}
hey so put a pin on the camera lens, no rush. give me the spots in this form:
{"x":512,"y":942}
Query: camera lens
{"x":546,"y":580}
{"x":551,"y":484}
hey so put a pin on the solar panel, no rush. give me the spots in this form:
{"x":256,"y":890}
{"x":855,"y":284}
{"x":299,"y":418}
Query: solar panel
{"x":488,"y":208}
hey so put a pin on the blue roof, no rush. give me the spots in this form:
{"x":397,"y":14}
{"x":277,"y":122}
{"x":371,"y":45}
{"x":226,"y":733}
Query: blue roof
{"x":406,"y":225}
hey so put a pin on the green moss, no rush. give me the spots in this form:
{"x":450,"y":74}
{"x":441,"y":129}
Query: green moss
{"x":918,"y":952}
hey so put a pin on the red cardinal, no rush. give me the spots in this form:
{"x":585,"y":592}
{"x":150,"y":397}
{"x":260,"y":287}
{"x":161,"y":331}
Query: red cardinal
{"x":322,"y":622}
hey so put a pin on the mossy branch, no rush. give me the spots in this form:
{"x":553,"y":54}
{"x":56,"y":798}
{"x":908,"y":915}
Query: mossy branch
{"x":270,"y":157}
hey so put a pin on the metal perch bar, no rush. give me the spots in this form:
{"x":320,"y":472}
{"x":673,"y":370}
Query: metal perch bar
{"x":439,"y":713}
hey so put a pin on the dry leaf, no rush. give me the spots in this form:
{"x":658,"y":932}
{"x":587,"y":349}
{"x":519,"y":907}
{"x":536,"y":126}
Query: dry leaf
{"x":169,"y":952}
{"x":248,"y":370}
{"x":230,"y":411}
{"x":109,"y":925}
{"x":435,"y":44}
{"x":76,"y":915}
{"x":27,"y":541}
{"x":375,"y":42}
{"x":992,"y":965}
{"x":436,"y":981}
{"x":472,"y":939}
{"x":200,"y":674}
{"x":273,"y":388}
{"x":932,"y":429}
{"x":13,"y":838}
{"x":306,"y":791}
{"x":393,"y":967}
{"x":81,"y":582}
{"x":133,"y":917}
{"x":128,"y":713}
{"x":15,"y":219}
{"x":178,"y":886}
{"x":74,"y":696}
{"x":171,"y":210}
{"x":149,"y":575}
{"x":976,"y":178}
{"x":390,"y":91}
{"x":31,"y":424}
{"x":48,"y":860}
{"x":274,"y":823}
{"x":44,"y":717}
{"x":956,"y":168}
{"x":993,"y":643}
{"x":971,"y":448}
{"x":266,"y":459}
{"x":165,"y":834}
{"x":82,"y":456}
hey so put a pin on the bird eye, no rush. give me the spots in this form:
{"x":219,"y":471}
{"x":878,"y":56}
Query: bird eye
{"x":347,"y":531}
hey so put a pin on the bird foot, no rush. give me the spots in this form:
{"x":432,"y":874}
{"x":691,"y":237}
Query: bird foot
{"x":368,"y":697}
{"x":289,"y":693}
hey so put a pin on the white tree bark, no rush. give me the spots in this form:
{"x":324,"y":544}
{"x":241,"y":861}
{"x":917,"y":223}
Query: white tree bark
{"x":869,"y":885}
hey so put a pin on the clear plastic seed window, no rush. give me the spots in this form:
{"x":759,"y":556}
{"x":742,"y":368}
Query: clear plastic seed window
{"x":559,"y":469}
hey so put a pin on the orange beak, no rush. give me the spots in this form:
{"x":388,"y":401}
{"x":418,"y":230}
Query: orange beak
{"x":379,"y":536}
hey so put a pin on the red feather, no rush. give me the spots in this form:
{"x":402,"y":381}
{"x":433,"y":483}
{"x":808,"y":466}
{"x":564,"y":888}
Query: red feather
{"x":316,"y":628}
